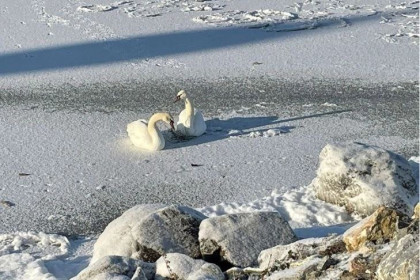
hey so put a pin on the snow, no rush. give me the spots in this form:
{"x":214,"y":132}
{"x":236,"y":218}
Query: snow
{"x":298,"y":206}
{"x":72,"y":75}
{"x":75,"y":42}
{"x":29,"y":255}
{"x":185,"y":267}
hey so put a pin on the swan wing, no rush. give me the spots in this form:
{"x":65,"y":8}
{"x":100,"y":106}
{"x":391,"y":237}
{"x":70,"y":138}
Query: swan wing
{"x":183,"y":124}
{"x":184,"y":119}
{"x":199,"y":124}
{"x":138,"y":133}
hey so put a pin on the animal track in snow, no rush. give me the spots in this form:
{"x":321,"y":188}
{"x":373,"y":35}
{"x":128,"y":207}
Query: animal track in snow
{"x":153,"y":8}
{"x":49,"y":19}
{"x":170,"y":63}
{"x":405,"y":19}
{"x":241,"y":17}
{"x":88,"y":26}
{"x":268,"y":133}
{"x":308,"y":14}
{"x":103,"y":8}
{"x":202,"y":7}
{"x":96,"y":8}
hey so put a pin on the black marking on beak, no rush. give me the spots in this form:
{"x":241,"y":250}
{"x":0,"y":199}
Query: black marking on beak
{"x":171,"y":123}
{"x":177,"y":99}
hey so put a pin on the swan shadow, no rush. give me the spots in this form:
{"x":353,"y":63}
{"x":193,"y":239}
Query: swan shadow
{"x":218,"y":129}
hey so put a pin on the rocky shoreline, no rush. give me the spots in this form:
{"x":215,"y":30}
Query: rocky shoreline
{"x":178,"y":242}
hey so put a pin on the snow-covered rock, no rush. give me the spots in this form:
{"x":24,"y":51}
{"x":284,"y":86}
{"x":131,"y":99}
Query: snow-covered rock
{"x":402,"y":262}
{"x":237,"y":239}
{"x":362,"y":178}
{"x":179,"y":266}
{"x":300,"y":271}
{"x":113,"y":267}
{"x":148,"y":231}
{"x":282,"y":256}
{"x":414,"y":163}
{"x":380,"y":227}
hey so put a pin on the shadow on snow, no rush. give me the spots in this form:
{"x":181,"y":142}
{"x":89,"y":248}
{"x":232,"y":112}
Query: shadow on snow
{"x":218,"y":129}
{"x":155,"y":45}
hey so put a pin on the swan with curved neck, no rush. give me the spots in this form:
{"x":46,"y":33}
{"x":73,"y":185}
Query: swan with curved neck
{"x":191,"y":121}
{"x":146,"y":135}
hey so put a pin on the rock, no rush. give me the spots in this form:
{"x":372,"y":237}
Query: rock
{"x":361,"y":178}
{"x":236,"y":273}
{"x":380,"y":227}
{"x":402,"y":261}
{"x":363,"y":267}
{"x":139,"y":274}
{"x":146,"y":232}
{"x":412,"y":228}
{"x":283,"y":256}
{"x":110,"y":276}
{"x":298,"y":270}
{"x":325,"y":264}
{"x":237,"y":239}
{"x":347,"y":275}
{"x":336,"y":246}
{"x":116,"y":267}
{"x":179,"y":266}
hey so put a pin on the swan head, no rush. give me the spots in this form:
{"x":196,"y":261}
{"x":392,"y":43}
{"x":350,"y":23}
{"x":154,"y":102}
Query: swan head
{"x":168,"y":119}
{"x":180,"y":95}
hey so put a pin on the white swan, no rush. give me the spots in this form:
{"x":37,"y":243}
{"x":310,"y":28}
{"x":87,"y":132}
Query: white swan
{"x":146,"y":135}
{"x":191,"y":121}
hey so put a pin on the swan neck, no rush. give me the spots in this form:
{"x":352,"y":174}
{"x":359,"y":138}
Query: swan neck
{"x":151,"y":127}
{"x":189,"y":107}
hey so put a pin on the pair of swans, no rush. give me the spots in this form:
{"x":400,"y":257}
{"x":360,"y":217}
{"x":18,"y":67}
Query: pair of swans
{"x":147,"y":136}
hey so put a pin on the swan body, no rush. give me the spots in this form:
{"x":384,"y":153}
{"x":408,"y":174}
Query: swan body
{"x":146,"y":135}
{"x":191,"y":121}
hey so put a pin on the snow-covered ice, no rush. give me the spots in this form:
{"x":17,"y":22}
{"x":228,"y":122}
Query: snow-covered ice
{"x":77,"y":42}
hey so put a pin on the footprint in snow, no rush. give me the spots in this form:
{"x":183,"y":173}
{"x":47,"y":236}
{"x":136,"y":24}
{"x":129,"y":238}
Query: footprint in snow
{"x":96,"y":8}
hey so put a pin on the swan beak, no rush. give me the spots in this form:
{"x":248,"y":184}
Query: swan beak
{"x":171,"y":123}
{"x":177,"y":99}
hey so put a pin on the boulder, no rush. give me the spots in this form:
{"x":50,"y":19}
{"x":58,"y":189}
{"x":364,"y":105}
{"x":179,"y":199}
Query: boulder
{"x":238,"y":239}
{"x":117,"y":267}
{"x":364,"y":267}
{"x":283,"y":256}
{"x":146,"y":232}
{"x":299,"y":270}
{"x":292,"y":255}
{"x":361,"y":178}
{"x":236,"y":273}
{"x":381,"y":227}
{"x":179,"y":266}
{"x":402,"y":261}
